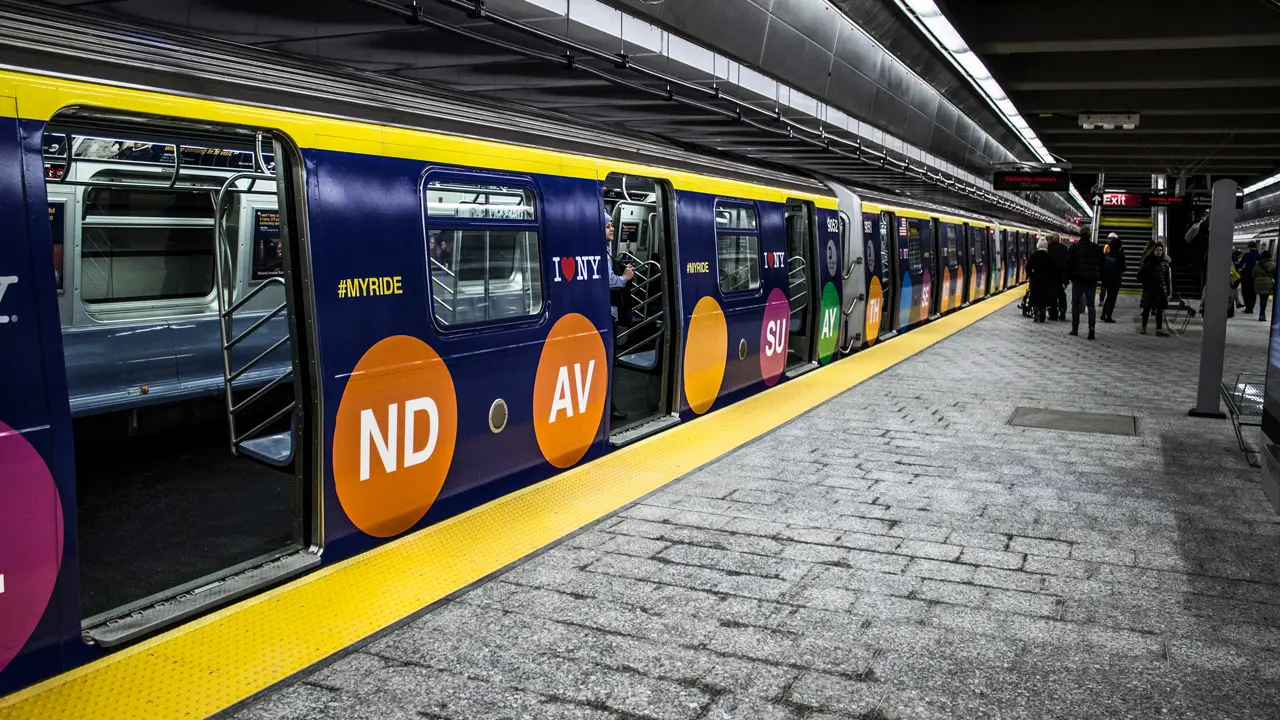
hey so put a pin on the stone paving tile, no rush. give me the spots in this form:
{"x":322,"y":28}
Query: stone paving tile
{"x":898,"y":552}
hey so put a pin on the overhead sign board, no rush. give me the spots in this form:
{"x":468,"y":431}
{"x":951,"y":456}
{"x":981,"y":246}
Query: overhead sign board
{"x":1202,"y":201}
{"x":1048,"y":180}
{"x":1122,"y":200}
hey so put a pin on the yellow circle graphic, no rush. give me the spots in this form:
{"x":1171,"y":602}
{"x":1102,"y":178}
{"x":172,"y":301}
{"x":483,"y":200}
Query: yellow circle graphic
{"x":569,"y":390}
{"x":705,"y":353}
{"x":875,"y":309}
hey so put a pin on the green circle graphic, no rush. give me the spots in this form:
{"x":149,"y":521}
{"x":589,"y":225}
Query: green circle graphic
{"x":830,"y":323}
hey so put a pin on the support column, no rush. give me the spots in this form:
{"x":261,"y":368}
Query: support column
{"x":1222,"y":223}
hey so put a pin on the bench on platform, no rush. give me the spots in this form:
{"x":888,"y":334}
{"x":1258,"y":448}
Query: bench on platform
{"x":1244,"y":403}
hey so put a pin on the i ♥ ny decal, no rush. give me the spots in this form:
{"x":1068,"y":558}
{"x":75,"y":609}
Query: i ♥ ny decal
{"x":582,"y":267}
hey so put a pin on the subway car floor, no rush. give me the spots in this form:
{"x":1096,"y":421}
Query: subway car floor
{"x":169,"y":505}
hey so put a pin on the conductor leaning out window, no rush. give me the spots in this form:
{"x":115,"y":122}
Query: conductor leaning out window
{"x":616,"y":285}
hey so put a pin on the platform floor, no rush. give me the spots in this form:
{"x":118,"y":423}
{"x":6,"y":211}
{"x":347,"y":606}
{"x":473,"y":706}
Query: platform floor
{"x":898,"y":552}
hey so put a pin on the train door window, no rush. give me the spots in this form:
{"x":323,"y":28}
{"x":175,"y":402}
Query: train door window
{"x":172,"y":371}
{"x":646,"y":332}
{"x":483,"y":252}
{"x":802,"y":277}
{"x":737,"y":248}
{"x":915,"y":246}
{"x":890,"y":271}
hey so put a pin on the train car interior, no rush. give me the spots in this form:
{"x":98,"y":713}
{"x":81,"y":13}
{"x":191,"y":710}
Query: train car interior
{"x":646,"y":335}
{"x":178,"y":312}
{"x":802,"y":279}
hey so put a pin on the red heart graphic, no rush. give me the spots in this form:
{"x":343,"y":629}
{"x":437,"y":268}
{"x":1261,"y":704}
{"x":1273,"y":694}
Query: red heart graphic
{"x":567,"y":266}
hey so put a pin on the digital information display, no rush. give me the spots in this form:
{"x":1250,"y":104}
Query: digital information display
{"x":268,"y":258}
{"x":1048,"y":180}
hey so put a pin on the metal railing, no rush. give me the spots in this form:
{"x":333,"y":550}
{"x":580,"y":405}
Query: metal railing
{"x":225,"y":278}
{"x":648,"y":289}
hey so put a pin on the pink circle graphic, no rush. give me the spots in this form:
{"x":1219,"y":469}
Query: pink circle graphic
{"x":774,"y":333}
{"x":30,"y":541}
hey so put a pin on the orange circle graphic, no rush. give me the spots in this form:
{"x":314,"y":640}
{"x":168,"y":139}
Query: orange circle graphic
{"x":875,"y":309}
{"x":705,"y":353}
{"x":569,"y":390}
{"x":394,"y":437}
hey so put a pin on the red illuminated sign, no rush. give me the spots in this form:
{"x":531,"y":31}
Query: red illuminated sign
{"x":1141,"y":200}
{"x":1124,"y":200}
{"x":1048,"y":180}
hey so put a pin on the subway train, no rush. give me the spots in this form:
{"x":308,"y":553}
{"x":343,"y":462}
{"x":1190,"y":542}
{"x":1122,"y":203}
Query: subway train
{"x":403,"y":304}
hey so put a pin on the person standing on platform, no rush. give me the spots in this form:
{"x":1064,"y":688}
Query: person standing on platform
{"x":1112,"y":273}
{"x":1046,"y":282}
{"x":1248,"y":262}
{"x":616,"y":283}
{"x":1084,"y":267}
{"x":1058,"y":252}
{"x":1157,"y":285}
{"x":1264,"y":282}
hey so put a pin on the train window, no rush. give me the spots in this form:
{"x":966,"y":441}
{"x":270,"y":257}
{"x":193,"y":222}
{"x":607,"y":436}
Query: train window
{"x":951,"y":235}
{"x":737,"y":248}
{"x":448,"y":199}
{"x":139,"y":244}
{"x":914,"y":246}
{"x":483,"y":252}
{"x":737,"y":217}
{"x":130,"y":202}
{"x":120,"y":264}
{"x":739,"y":258}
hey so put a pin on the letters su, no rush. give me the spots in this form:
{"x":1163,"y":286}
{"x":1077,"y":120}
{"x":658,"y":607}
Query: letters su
{"x":775,"y":337}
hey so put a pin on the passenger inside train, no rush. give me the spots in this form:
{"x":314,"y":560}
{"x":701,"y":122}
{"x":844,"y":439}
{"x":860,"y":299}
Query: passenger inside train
{"x":637,"y":236}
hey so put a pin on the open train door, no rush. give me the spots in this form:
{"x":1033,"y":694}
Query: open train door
{"x":860,"y":303}
{"x":647,"y":333}
{"x":803,"y":279}
{"x":184,"y":295}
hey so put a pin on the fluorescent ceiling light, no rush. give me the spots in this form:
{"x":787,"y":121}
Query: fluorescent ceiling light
{"x":1265,"y":183}
{"x":923,"y":8}
{"x":973,"y":65}
{"x":926,"y":15}
{"x":945,"y":34}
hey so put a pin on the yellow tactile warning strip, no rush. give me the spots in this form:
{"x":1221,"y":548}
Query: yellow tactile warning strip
{"x":212,"y":663}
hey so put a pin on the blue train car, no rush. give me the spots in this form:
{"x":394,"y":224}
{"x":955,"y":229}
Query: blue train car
{"x":386,"y":314}
{"x":442,"y":306}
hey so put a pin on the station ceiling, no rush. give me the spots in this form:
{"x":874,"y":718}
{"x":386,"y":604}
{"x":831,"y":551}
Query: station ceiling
{"x":1203,"y":76}
{"x":519,"y":50}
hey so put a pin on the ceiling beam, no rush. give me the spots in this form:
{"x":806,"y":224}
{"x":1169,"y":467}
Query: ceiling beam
{"x":1018,"y":26}
{"x":1164,"y":101}
{"x":1147,"y":44}
{"x":1236,"y":68}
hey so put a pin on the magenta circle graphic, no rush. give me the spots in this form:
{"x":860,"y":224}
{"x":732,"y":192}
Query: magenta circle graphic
{"x":774,"y":332}
{"x":30,"y":541}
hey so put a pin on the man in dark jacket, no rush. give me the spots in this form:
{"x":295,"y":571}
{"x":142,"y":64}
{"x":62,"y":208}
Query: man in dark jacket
{"x":1084,"y":267}
{"x":1058,"y":252}
{"x":1112,"y":273}
{"x":1247,"y":263}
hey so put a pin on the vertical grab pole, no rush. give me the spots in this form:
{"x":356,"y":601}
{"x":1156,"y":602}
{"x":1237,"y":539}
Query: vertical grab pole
{"x":1221,"y":227}
{"x":224,"y":319}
